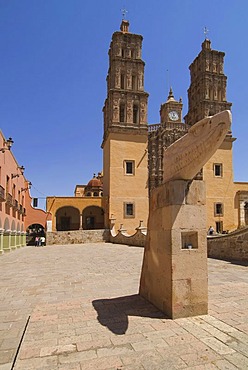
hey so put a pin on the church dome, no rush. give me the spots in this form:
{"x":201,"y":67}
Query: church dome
{"x":94,"y":183}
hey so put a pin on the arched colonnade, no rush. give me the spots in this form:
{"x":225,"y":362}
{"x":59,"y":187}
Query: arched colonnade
{"x":72,"y":218}
{"x":12,"y":235}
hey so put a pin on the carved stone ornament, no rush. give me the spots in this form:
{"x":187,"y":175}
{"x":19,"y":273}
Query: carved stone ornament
{"x":185,"y":157}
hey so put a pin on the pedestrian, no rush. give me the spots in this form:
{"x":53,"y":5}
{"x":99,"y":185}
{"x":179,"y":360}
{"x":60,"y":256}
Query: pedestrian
{"x":211,"y":230}
{"x":36,"y":243}
{"x":42,"y":240}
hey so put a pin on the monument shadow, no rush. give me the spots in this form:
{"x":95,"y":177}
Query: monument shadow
{"x":113,"y":313}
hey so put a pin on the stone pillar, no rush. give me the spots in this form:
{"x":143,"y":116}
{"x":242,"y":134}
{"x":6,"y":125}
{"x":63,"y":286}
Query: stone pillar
{"x":81,"y":221}
{"x":1,"y":241}
{"x":13,"y":239}
{"x":174,"y":273}
{"x":6,"y":240}
{"x":18,"y":239}
{"x":242,"y":213}
{"x":23,"y":239}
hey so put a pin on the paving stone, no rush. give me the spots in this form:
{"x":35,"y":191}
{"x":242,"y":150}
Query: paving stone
{"x":238,"y":360}
{"x":7,"y":366}
{"x":85,"y":313}
{"x":199,"y":358}
{"x":110,"y":362}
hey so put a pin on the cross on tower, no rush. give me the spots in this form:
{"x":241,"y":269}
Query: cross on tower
{"x":124,"y":13}
{"x":206,"y":31}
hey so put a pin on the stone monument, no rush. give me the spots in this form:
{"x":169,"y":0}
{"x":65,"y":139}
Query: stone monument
{"x":174,"y":274}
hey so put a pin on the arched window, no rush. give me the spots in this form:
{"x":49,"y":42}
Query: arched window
{"x":88,"y":194}
{"x":95,"y":194}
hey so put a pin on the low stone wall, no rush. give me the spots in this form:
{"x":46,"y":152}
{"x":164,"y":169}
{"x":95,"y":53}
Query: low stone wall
{"x":138,"y":239}
{"x":233,"y":246}
{"x":77,"y":237}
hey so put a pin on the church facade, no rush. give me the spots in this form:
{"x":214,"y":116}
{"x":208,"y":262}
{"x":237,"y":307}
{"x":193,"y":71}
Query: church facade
{"x":133,"y":150}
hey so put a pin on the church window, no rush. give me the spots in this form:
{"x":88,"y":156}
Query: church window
{"x":129,"y":167}
{"x":122,"y":113}
{"x":218,"y":169}
{"x":128,"y":210}
{"x":134,"y":82}
{"x":122,"y":81}
{"x":95,"y":194}
{"x":218,"y":209}
{"x":135,"y":113}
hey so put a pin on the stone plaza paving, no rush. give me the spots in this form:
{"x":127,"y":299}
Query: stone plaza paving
{"x":76,"y":307}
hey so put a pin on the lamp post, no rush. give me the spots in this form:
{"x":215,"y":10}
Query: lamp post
{"x":7,"y":145}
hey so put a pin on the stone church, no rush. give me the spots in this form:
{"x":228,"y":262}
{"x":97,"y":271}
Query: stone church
{"x":133,"y":150}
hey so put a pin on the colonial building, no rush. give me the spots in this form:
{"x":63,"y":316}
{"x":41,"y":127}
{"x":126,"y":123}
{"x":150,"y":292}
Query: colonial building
{"x":84,"y":211}
{"x":16,"y":213}
{"x":128,"y":139}
{"x":133,"y":150}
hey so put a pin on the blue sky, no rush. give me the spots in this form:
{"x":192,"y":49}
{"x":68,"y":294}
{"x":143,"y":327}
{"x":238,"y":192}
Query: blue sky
{"x":54,"y":63}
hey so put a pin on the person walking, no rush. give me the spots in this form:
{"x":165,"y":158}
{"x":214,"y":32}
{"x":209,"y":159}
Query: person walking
{"x":211,"y":230}
{"x":42,"y":240}
{"x":36,"y":242}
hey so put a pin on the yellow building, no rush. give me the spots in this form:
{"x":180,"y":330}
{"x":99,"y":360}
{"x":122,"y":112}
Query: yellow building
{"x":130,"y":145}
{"x":133,"y":150}
{"x":84,"y":211}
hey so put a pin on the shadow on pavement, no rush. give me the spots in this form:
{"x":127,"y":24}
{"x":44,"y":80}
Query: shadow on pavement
{"x":113,"y":313}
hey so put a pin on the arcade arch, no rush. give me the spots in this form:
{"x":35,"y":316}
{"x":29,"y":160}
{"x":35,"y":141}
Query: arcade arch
{"x":93,"y":218}
{"x":67,"y":218}
{"x":33,"y":231}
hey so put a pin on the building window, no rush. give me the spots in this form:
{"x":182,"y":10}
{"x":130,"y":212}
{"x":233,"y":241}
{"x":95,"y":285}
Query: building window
{"x":135,"y":113}
{"x":219,"y":226}
{"x":122,"y":81}
{"x":129,"y":210}
{"x":129,"y":167}
{"x":133,"y":54}
{"x":218,"y":170}
{"x":13,"y":191}
{"x":95,"y":194}
{"x":134,"y":82}
{"x":122,"y":113}
{"x":88,"y":194}
{"x":218,"y":209}
{"x":122,"y":53}
{"x":7,"y":184}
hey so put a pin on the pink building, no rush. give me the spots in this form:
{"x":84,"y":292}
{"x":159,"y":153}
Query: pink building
{"x":16,"y":211}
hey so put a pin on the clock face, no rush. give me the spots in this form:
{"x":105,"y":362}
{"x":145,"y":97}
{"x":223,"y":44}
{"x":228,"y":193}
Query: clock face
{"x":173,"y":115}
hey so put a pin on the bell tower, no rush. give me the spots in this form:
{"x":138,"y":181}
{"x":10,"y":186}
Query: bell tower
{"x":171,"y":110}
{"x":206,"y":97}
{"x":207,"y":91}
{"x":125,"y":132}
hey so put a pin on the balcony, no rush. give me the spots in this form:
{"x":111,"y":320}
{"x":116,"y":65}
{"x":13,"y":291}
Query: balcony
{"x":2,"y":194}
{"x":9,"y":201}
{"x":15,"y":205}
